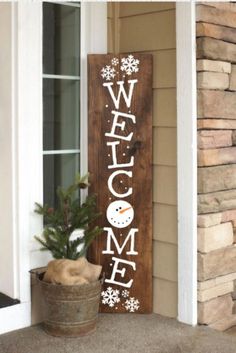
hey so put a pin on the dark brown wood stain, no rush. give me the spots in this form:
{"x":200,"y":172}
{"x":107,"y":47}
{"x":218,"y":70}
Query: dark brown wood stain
{"x":141,"y":182}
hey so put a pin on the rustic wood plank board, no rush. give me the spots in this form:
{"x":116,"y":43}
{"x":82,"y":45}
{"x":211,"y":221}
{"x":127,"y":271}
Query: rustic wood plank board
{"x":125,"y":247}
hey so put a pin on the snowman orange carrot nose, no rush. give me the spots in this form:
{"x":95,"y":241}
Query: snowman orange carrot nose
{"x":125,"y":209}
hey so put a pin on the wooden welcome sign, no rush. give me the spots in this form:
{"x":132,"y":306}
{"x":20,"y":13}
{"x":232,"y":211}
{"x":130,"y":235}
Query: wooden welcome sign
{"x":120,"y":164}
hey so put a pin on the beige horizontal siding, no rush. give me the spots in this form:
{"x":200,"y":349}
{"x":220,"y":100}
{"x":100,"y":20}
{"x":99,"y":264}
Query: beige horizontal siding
{"x":148,"y":32}
{"x":109,"y":10}
{"x":164,"y":107}
{"x":165,"y":294}
{"x":164,"y":68}
{"x":110,"y":39}
{"x":165,"y":260}
{"x":164,"y":185}
{"x":164,"y":146}
{"x":112,"y":31}
{"x":165,"y":223}
{"x":150,"y":27}
{"x":135,"y":8}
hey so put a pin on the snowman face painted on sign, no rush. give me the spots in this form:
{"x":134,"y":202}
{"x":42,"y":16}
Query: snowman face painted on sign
{"x":120,"y":214}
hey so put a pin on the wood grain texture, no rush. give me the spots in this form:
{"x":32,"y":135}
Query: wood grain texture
{"x":100,"y":121}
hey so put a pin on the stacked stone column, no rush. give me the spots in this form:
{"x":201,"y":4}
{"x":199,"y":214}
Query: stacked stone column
{"x":216,"y":77}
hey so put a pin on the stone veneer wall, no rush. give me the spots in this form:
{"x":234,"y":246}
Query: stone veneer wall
{"x":216,"y":77}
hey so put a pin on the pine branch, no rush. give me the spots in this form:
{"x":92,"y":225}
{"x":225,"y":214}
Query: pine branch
{"x":69,"y":216}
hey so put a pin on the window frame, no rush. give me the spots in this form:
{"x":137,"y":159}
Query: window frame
{"x":26,"y":138}
{"x":63,"y":78}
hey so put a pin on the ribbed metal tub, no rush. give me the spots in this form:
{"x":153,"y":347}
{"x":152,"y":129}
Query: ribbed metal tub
{"x":70,"y":310}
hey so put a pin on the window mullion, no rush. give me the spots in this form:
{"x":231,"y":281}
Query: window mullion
{"x":52,"y":152}
{"x":61,"y":77}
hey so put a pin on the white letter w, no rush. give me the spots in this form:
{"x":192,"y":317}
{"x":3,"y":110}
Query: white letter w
{"x":127,"y":97}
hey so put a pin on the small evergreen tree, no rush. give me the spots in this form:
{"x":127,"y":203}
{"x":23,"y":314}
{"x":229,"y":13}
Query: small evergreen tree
{"x":68,"y":216}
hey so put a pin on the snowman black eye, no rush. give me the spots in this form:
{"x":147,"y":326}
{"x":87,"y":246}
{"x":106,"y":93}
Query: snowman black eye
{"x":120,"y":208}
{"x":117,"y":210}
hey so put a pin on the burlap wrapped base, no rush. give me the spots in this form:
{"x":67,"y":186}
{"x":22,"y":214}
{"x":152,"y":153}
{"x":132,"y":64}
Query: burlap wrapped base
{"x":71,"y":272}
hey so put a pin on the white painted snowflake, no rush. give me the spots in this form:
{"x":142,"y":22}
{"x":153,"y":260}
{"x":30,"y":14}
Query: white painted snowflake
{"x":125,"y":293}
{"x":110,"y":296}
{"x":132,"y":305}
{"x":129,"y":65}
{"x":108,"y":72}
{"x":115,"y":61}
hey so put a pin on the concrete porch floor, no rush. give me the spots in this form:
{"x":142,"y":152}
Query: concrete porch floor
{"x":124,"y":333}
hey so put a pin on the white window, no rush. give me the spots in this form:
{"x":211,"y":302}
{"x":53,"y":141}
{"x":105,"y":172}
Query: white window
{"x":61,"y":96}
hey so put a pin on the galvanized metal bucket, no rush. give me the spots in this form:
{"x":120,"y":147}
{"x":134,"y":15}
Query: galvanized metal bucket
{"x":70,"y":310}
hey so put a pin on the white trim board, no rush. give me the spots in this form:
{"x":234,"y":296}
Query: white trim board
{"x":14,"y":317}
{"x":8,"y":255}
{"x":186,"y":162}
